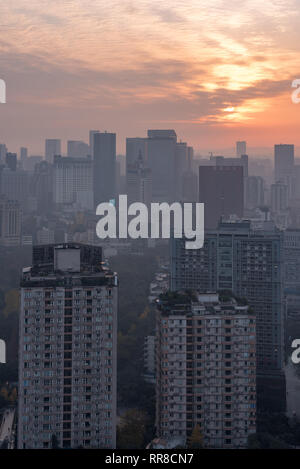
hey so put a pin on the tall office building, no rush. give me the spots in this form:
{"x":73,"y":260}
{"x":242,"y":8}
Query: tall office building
{"x":241,"y":148}
{"x":45,"y":236}
{"x":73,"y":182}
{"x":136,"y":148}
{"x":248,"y":263}
{"x":32,"y":161}
{"x":221,"y":189}
{"x":161,"y":161}
{"x":139,"y":183}
{"x":91,"y":141}
{"x":52,"y":148}
{"x":23,"y":157}
{"x":291,"y":238}
{"x":67,"y":349}
{"x":190,"y":179}
{"x":43,"y":187}
{"x":181,"y":167}
{"x":284,"y":163}
{"x":10,"y":222}
{"x":11,"y":161}
{"x":104,"y":167}
{"x":3,"y":151}
{"x":206,"y":370}
{"x":254,"y":192}
{"x":240,"y":161}
{"x":279,"y":197}
{"x":190,"y":158}
{"x":292,"y":272}
{"x":138,"y":176}
{"x":15,"y":185}
{"x":189,"y":187}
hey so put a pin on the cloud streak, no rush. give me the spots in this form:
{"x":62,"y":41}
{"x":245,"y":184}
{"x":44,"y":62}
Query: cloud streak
{"x":184,"y":62}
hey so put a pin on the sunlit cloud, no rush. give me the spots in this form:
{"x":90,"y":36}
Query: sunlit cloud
{"x":187,"y":62}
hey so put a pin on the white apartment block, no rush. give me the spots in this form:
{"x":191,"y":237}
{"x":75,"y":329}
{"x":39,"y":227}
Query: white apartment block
{"x":73,"y":182}
{"x":67,"y":349}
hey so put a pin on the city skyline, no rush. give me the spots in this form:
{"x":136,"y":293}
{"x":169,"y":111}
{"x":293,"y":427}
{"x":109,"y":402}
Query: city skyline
{"x":138,"y":65}
{"x":150,"y":226}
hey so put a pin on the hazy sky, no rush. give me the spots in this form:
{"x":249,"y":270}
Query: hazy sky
{"x":215,"y":71}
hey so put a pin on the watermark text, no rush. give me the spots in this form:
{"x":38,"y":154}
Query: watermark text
{"x":133,"y":221}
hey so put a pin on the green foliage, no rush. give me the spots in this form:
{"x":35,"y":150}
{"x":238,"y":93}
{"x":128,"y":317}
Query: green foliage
{"x":12,"y":261}
{"x":132,"y":430}
{"x":135,"y":321}
{"x":265,"y":441}
{"x":196,"y":439}
{"x":275,"y":431}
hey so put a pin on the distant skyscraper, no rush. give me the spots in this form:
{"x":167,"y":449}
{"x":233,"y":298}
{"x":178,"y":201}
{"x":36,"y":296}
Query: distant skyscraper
{"x":91,"y":141}
{"x":136,"y":148}
{"x":43,"y":187}
{"x":52,"y":148}
{"x":23,"y":156}
{"x":11,"y":161}
{"x":181,"y":167}
{"x":45,"y":236}
{"x":254,"y":192}
{"x":10,"y":222}
{"x":67,"y":349}
{"x":73,"y":182}
{"x":161,"y":161}
{"x":15,"y":185}
{"x":190,"y":179}
{"x":221,"y":189}
{"x":292,"y":260}
{"x":3,"y":151}
{"x":31,"y":161}
{"x":104,"y":167}
{"x":139,"y":183}
{"x":206,"y":370}
{"x":240,"y":161}
{"x":283,"y":162}
{"x":78,"y":149}
{"x":190,"y":187}
{"x":190,"y":158}
{"x":241,"y":148}
{"x":279,"y":197}
{"x":250,"y":264}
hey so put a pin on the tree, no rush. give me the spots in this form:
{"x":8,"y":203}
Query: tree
{"x":132,"y":429}
{"x":13,"y":396}
{"x":196,"y":438}
{"x":265,"y":441}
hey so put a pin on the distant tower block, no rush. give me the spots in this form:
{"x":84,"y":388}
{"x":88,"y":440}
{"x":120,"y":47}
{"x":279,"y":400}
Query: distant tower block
{"x":241,"y":148}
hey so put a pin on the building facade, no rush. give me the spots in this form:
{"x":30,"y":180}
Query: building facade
{"x":52,"y":148}
{"x":221,"y":189}
{"x":104,"y":170}
{"x":67,"y":349}
{"x":10,"y":222}
{"x":73,"y":182}
{"x":249,"y":264}
{"x":206,"y":369}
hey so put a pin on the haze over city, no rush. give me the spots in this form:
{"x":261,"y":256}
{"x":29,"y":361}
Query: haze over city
{"x":216,"y":71}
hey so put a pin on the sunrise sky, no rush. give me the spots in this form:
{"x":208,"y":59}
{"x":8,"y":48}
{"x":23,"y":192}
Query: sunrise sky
{"x":216,"y":71}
